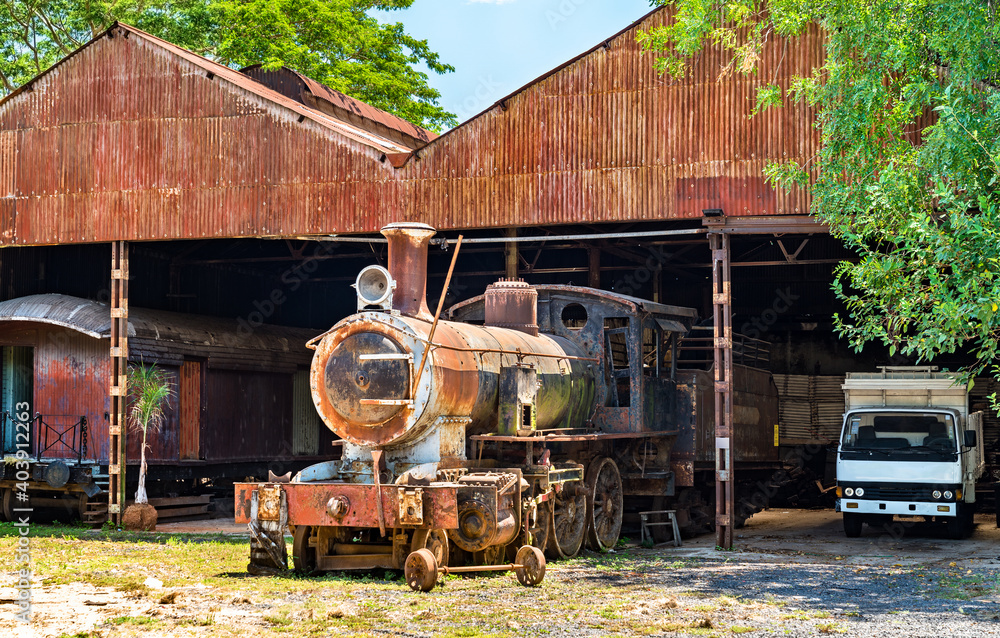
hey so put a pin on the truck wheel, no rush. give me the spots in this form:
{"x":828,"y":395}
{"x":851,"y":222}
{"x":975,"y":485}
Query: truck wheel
{"x":960,"y":525}
{"x":852,"y":525}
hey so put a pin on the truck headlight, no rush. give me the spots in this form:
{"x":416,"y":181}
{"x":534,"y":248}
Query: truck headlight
{"x":948,"y":494}
{"x":849,"y":491}
{"x":936,"y":493}
{"x":859,"y":492}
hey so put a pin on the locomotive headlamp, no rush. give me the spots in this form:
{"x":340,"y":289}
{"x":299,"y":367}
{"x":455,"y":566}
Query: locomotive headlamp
{"x":948,"y":494}
{"x":936,"y":493}
{"x":849,"y":491}
{"x":859,"y":492}
{"x":374,"y":285}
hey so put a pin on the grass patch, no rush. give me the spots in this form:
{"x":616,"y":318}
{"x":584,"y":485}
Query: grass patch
{"x":135,"y":620}
{"x":831,"y":628}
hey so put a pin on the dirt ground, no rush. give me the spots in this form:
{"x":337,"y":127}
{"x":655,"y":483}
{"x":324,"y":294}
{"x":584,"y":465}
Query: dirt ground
{"x":793,"y":573}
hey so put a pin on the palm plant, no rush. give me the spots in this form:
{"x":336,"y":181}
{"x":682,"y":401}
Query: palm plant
{"x":150,"y":389}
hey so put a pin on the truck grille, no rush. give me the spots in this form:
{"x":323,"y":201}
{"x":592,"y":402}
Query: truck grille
{"x":898,"y":493}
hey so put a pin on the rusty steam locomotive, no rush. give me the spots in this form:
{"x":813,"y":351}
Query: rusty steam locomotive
{"x":531,"y":416}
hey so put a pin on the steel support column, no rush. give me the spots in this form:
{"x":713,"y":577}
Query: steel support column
{"x":118,"y":387}
{"x":722,"y":309}
{"x":511,"y":255}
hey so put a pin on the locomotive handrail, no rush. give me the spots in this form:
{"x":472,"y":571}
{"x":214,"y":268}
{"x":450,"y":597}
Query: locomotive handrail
{"x":516,"y":353}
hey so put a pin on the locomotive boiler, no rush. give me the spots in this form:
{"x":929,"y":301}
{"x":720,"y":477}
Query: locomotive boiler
{"x":525,"y":419}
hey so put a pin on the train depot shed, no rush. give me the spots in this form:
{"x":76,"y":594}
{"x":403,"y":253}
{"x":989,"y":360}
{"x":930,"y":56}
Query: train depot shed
{"x":149,"y":194}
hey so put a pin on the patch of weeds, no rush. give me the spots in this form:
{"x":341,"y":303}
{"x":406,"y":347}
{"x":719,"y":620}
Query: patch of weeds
{"x":135,"y":620}
{"x":821,"y":614}
{"x":831,"y":628}
{"x":853,"y":614}
{"x":705,"y":608}
{"x":609,"y":613}
{"x":281,"y":619}
{"x":738,"y":629}
{"x":795,"y":615}
{"x":967,"y":588}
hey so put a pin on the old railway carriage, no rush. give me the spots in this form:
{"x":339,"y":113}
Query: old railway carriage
{"x":530,"y":416}
{"x":239,"y":405}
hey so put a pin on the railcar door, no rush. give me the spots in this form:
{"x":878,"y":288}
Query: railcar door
{"x":16,"y":391}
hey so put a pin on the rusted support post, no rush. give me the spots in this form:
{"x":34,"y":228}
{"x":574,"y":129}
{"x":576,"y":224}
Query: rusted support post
{"x":594,"y":267}
{"x":118,"y":387}
{"x":723,"y":349}
{"x":511,"y":255}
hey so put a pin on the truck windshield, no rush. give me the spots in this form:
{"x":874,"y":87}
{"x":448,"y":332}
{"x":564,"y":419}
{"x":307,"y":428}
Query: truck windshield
{"x":900,"y":433}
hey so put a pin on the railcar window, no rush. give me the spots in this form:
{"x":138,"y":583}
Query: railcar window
{"x":574,"y":316}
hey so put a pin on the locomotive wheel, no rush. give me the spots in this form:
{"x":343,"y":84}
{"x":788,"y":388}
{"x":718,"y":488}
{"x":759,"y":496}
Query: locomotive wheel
{"x":532,"y":569}
{"x":421,"y":570}
{"x":435,"y":540}
{"x":8,"y":505}
{"x":604,"y":504}
{"x":569,"y":525}
{"x":303,"y":556}
{"x":541,"y":527}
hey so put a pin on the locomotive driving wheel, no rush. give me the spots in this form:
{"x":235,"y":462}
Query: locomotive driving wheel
{"x":303,"y":556}
{"x":604,"y":504}
{"x":435,"y":540}
{"x":540,"y":525}
{"x":569,"y":522}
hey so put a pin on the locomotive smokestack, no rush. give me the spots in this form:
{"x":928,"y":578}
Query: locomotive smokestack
{"x":408,"y":266}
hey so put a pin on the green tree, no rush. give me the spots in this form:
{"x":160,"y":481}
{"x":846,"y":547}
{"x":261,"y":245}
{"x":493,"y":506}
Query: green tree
{"x":149,"y":388}
{"x":335,"y":42}
{"x":908,"y":109}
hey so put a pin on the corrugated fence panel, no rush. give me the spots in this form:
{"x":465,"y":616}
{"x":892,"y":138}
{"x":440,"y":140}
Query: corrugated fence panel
{"x":306,"y":424}
{"x":811,"y":406}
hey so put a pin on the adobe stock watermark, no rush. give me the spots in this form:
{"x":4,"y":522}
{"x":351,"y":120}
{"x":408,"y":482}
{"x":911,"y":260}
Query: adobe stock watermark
{"x":22,"y":510}
{"x":632,"y":283}
{"x":291,"y":280}
{"x":485,"y":94}
{"x":760,"y":325}
{"x":562,"y":12}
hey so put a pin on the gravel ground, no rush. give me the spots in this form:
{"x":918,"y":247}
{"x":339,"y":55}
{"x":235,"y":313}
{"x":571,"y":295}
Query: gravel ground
{"x":794,"y":574}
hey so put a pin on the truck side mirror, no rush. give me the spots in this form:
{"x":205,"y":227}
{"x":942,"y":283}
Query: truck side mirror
{"x":970,"y":438}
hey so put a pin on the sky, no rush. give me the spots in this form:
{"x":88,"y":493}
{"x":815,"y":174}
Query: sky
{"x":498,"y":46}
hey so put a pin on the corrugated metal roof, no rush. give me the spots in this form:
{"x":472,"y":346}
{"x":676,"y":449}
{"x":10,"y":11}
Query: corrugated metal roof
{"x":146,"y":141}
{"x":93,"y":318}
{"x":291,"y":83}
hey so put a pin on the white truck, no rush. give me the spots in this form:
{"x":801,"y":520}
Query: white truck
{"x":909,"y":447}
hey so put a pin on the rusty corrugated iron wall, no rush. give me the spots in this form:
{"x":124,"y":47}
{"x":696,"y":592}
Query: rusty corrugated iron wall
{"x":134,"y":138}
{"x":605,"y":138}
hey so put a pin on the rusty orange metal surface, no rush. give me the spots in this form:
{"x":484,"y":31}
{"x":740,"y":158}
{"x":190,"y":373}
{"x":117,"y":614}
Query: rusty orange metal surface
{"x":308,"y":504}
{"x":512,"y":304}
{"x":145,"y":141}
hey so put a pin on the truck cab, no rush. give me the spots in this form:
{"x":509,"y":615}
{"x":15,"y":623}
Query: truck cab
{"x":908,"y":448}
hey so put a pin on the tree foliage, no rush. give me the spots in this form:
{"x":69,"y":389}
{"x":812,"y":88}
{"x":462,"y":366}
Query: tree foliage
{"x":335,"y":42}
{"x":149,"y":390}
{"x":908,"y":108}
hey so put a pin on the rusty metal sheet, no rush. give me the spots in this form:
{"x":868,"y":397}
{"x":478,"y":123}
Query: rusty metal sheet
{"x":307,"y":504}
{"x":147,"y":141}
{"x":189,"y":398}
{"x":300,"y":88}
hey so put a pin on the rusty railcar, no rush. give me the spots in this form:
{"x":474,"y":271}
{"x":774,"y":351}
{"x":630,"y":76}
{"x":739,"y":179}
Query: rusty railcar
{"x":239,"y":404}
{"x":531,"y":415}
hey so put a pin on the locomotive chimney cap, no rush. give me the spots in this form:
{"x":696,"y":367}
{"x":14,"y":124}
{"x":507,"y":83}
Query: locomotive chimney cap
{"x":417,"y":226}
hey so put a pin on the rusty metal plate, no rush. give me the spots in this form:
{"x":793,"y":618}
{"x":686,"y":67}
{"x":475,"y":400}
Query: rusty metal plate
{"x":269,"y":502}
{"x":308,"y":504}
{"x":411,"y":506}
